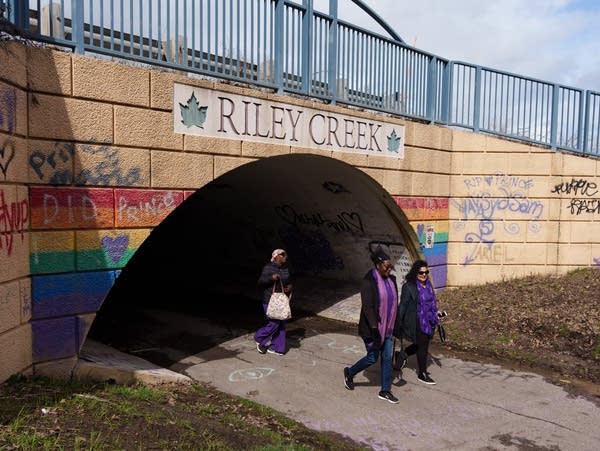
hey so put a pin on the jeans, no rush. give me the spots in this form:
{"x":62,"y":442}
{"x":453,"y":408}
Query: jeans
{"x":386,"y":351}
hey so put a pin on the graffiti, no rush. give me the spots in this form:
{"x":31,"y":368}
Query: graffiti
{"x":578,"y":206}
{"x":508,"y":195}
{"x":579,"y":187}
{"x":13,"y":218}
{"x":115,"y":247}
{"x":133,"y":206}
{"x":349,"y":222}
{"x":55,"y":159}
{"x":108,"y":171}
{"x":8,"y":101}
{"x":596,"y":261}
{"x":25,"y":292}
{"x":7,"y":153}
{"x":335,"y":188}
{"x":250,"y":374}
{"x":311,"y":250}
{"x":485,"y":207}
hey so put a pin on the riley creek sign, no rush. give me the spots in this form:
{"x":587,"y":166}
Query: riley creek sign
{"x":206,"y":112}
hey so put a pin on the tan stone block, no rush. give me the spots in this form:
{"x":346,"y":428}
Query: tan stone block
{"x":530,"y":254}
{"x":119,"y":83}
{"x":431,"y":161}
{"x":426,"y":135}
{"x":10,"y":305}
{"x":578,"y":166}
{"x":107,"y":165}
{"x":13,"y":110}
{"x":542,"y":231}
{"x":56,"y":369}
{"x":263,"y":150}
{"x":14,"y":256}
{"x":375,"y":174}
{"x":49,"y":70}
{"x":464,"y":141}
{"x":564,"y":232}
{"x":398,"y":183}
{"x":354,"y":159}
{"x":596,"y":255}
{"x":502,"y":145}
{"x":535,"y":164}
{"x":145,"y":128}
{"x":555,"y":209}
{"x":461,"y":276}
{"x":63,"y":118}
{"x":25,"y":293}
{"x":585,"y":232}
{"x":50,"y":162}
{"x":486,"y":164}
{"x":180,"y":170}
{"x":225,"y":164}
{"x":574,"y":254}
{"x":206,"y":144}
{"x":552,"y":254}
{"x":378,"y":161}
{"x":13,"y":159}
{"x":430,"y":185}
{"x":16,"y":345}
{"x":310,"y":151}
{"x":16,"y":71}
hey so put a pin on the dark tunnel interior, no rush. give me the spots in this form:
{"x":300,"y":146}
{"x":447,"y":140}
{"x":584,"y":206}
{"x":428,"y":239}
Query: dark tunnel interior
{"x":203,"y":260}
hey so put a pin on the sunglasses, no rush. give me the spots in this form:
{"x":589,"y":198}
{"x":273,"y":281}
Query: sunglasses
{"x":423,"y":273}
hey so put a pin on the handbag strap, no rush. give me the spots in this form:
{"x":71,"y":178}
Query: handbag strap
{"x":276,"y":284}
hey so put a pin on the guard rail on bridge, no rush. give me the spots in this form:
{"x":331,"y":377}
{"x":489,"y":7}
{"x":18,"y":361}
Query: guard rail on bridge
{"x":291,"y":47}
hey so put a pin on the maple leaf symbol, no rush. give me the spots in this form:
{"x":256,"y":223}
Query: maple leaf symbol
{"x":193,"y":113}
{"x":393,"y":142}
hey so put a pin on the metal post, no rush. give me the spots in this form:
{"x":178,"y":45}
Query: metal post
{"x":333,"y":52}
{"x":307,"y":31}
{"x":77,"y":24}
{"x":431,"y":89}
{"x":583,"y":146}
{"x":279,"y":52}
{"x":446,"y":93}
{"x":554,"y":117}
{"x":477,"y":100}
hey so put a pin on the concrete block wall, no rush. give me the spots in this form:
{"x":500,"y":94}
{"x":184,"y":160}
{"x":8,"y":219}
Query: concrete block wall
{"x":89,"y":165}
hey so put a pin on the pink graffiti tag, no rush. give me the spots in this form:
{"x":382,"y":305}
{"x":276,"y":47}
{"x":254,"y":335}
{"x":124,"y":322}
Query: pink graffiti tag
{"x":13,"y":218}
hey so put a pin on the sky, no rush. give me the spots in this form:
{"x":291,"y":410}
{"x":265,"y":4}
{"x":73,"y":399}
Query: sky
{"x":552,"y":40}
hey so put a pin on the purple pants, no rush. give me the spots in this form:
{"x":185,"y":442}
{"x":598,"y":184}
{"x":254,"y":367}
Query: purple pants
{"x":272,"y":333}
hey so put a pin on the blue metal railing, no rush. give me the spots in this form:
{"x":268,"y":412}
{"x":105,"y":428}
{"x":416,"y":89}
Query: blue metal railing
{"x":288,"y":46}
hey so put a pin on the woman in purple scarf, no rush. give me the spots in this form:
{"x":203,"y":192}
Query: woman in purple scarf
{"x":418,"y":316}
{"x":379,"y":303}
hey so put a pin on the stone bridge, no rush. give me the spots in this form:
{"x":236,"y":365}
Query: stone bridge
{"x":123,"y":186}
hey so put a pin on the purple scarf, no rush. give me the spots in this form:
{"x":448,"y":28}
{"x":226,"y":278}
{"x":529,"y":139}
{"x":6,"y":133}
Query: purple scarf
{"x":427,"y":308}
{"x":388,"y":304}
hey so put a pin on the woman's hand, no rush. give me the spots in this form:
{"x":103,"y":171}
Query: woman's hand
{"x":275,"y":276}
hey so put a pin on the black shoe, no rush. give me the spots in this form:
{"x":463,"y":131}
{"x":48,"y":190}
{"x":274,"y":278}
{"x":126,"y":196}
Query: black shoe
{"x":348,"y":381}
{"x":387,"y":396}
{"x":426,"y":379}
{"x":260,"y":348}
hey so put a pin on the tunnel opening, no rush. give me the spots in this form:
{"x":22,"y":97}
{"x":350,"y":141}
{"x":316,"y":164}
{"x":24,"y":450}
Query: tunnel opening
{"x":192,"y":284}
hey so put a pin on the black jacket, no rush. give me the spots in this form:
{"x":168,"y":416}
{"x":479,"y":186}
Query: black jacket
{"x":406,"y":319}
{"x":265,"y":281}
{"x":369,"y":309}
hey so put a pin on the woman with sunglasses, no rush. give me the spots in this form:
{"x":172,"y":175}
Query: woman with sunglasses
{"x":417,"y":316}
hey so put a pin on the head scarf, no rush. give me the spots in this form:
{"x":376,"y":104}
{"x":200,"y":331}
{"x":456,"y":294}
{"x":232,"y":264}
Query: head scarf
{"x":275,"y":253}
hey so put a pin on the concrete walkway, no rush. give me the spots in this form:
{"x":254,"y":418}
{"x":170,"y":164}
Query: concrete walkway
{"x":473,"y":406}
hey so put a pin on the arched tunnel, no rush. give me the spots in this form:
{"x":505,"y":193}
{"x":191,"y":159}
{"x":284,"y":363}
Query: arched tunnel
{"x":192,"y":283}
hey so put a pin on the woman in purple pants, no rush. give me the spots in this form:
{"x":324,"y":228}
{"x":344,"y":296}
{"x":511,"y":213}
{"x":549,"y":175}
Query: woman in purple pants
{"x":271,"y":337}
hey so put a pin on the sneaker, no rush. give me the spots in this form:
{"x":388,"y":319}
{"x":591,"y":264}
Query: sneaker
{"x":348,"y":380}
{"x":426,"y":379}
{"x":260,"y":348}
{"x":387,"y":396}
{"x":272,"y":351}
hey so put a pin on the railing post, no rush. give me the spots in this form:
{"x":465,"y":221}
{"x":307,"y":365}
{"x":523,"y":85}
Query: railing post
{"x":447,"y":93}
{"x":431,"y":89}
{"x":279,"y":55}
{"x":18,"y":12}
{"x":77,"y":24}
{"x":554,"y":117}
{"x":584,"y":144}
{"x":333,"y":56}
{"x":307,"y":30}
{"x":477,"y":100}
